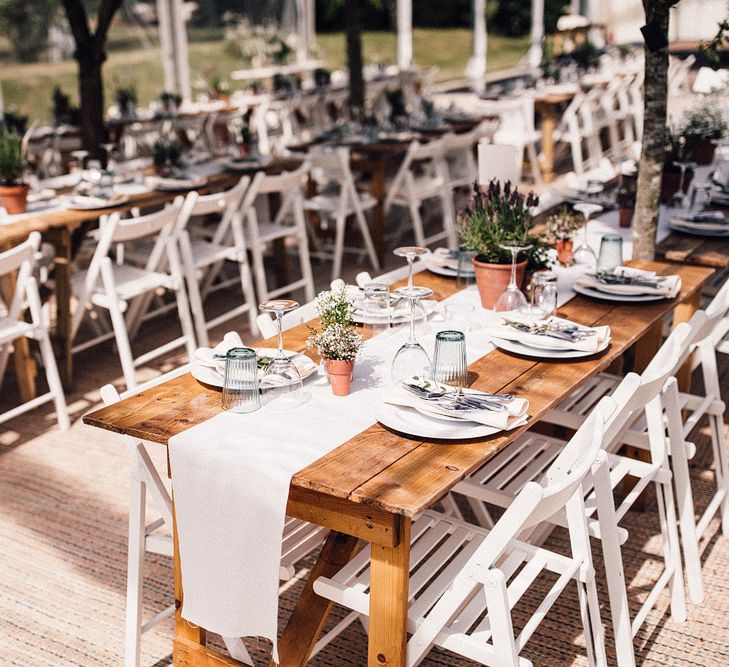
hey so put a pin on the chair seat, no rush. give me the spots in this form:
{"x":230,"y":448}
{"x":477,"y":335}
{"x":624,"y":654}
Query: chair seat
{"x":10,"y":329}
{"x":205,"y":253}
{"x":527,"y":460}
{"x":269,"y":231}
{"x":426,"y":187}
{"x":130,"y":281}
{"x":329,"y":203}
{"x":440,"y":548}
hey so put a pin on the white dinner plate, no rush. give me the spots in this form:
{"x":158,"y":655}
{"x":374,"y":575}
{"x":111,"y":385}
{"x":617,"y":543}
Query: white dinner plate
{"x":447,"y":271}
{"x":175,"y":184}
{"x":214,"y":378}
{"x":411,"y":422}
{"x":543,"y":353}
{"x":625,"y":298}
{"x":246,"y":164}
{"x":399,"y":316}
{"x":85,"y":203}
{"x":204,"y":355}
{"x":699,"y":231}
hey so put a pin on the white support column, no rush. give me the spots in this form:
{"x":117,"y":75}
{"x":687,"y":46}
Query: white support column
{"x":534,"y":57}
{"x":476,"y":68}
{"x":182,"y":61}
{"x":310,"y":28}
{"x":166,"y":42}
{"x":173,"y":42}
{"x":404,"y":34}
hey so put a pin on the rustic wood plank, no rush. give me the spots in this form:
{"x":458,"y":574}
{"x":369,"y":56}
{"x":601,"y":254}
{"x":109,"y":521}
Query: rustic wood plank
{"x":343,"y":516}
{"x":389,"y":581}
{"x":187,"y":653}
{"x":311,"y":611}
{"x":696,"y":250}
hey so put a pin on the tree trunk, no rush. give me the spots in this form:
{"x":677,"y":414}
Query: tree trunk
{"x":654,"y":137}
{"x":91,"y":91}
{"x":353,"y":19}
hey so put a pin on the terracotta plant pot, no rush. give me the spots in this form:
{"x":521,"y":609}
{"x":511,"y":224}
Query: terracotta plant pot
{"x":702,"y":152}
{"x":626,"y":216}
{"x":340,"y":375}
{"x":564,"y":251}
{"x":493,"y":279}
{"x":14,"y":198}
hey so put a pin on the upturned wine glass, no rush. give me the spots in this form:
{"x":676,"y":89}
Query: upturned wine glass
{"x":411,"y":359}
{"x":680,"y":198}
{"x":584,"y":255}
{"x":512,"y":298}
{"x":281,"y":384}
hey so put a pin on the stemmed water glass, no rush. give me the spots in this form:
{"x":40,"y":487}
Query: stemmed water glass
{"x":411,"y":359}
{"x":512,"y":298}
{"x":281,"y":384}
{"x":680,"y":198}
{"x":584,"y":255}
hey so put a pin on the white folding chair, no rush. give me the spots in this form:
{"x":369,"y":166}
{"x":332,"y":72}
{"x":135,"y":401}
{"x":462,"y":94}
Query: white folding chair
{"x":288,"y":186}
{"x":203,"y":260}
{"x":299,"y":539}
{"x":516,"y":128}
{"x":459,"y":154}
{"x":267,"y":325}
{"x":339,"y":200}
{"x":119,"y":287}
{"x":423,"y":176}
{"x":579,"y":129}
{"x":465,"y":580}
{"x":499,"y":162}
{"x":650,"y":399}
{"x":17,"y":264}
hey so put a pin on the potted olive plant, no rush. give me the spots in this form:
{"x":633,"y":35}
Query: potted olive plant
{"x":500,"y":215}
{"x":337,"y":342}
{"x":703,"y":126}
{"x":13,"y":191}
{"x":560,"y":228}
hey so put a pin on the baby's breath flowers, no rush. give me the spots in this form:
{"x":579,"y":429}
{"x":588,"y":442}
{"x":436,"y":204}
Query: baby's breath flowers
{"x":337,"y":342}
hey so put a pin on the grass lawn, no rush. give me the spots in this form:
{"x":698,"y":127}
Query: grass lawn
{"x":28,"y":87}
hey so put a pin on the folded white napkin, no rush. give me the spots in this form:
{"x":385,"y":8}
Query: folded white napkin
{"x":669,"y":286}
{"x":206,"y":355}
{"x":443,"y":257}
{"x":589,"y":344}
{"x":515,"y":415}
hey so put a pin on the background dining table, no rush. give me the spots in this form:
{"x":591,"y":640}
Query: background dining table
{"x":64,"y":228}
{"x":370,"y":487}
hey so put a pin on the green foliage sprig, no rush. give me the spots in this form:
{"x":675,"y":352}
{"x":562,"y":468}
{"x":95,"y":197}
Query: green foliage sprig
{"x":704,"y":123}
{"x":12,"y":163}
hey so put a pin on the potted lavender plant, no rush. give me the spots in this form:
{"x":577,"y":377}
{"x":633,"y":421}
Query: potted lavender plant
{"x":499,"y":215}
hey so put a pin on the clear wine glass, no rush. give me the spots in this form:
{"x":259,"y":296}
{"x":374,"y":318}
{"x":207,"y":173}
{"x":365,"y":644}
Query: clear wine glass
{"x":512,"y":298}
{"x":109,"y":150}
{"x":680,"y":198}
{"x":281,"y":384}
{"x":410,"y":252}
{"x":411,"y":359}
{"x":584,"y":255}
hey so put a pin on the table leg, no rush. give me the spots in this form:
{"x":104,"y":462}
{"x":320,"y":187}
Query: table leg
{"x":378,"y":212}
{"x":311,"y":611}
{"x":647,"y":346}
{"x":683,"y":313}
{"x":389,"y":578}
{"x":23,"y":362}
{"x":62,"y":275}
{"x":549,"y":122}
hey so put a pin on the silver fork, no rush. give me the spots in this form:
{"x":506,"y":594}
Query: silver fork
{"x":463,"y":403}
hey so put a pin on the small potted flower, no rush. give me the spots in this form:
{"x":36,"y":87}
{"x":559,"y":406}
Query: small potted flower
{"x":495,"y":216}
{"x":560,"y":228}
{"x":702,"y":126}
{"x":626,"y":195}
{"x":170,"y":101}
{"x":13,"y":190}
{"x":337,"y":342}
